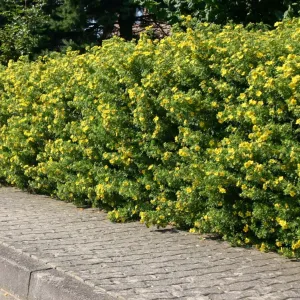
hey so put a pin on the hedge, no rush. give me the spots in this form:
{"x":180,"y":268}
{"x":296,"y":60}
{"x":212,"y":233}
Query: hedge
{"x":199,"y":130}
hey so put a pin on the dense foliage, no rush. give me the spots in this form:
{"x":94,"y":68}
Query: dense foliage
{"x":22,"y":29}
{"x":223,"y":11}
{"x":33,"y":27}
{"x":200,"y":130}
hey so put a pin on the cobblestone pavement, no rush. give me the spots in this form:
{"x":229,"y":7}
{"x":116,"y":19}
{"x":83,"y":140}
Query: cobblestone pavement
{"x":133,"y":262}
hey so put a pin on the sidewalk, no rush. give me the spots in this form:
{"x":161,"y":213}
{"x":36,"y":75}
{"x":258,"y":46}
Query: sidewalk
{"x":6,"y":296}
{"x":50,"y":250}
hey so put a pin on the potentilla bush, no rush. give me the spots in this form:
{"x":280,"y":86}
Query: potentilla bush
{"x":199,"y":130}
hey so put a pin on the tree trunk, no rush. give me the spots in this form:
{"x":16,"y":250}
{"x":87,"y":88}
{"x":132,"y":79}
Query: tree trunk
{"x":126,"y":22}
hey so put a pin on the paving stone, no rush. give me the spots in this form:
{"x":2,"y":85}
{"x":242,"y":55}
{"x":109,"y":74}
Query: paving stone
{"x":133,"y":262}
{"x":4,"y":295}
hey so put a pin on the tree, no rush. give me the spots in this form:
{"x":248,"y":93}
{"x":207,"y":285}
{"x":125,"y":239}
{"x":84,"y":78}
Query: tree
{"x":29,"y":27}
{"x":22,"y":28}
{"x":222,"y":11}
{"x":89,"y":22}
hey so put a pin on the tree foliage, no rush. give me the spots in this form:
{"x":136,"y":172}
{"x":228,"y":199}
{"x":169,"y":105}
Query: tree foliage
{"x":22,"y":28}
{"x":89,"y":22}
{"x":30,"y":27}
{"x":222,"y":11}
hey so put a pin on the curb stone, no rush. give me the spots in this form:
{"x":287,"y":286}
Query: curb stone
{"x":28,"y":279}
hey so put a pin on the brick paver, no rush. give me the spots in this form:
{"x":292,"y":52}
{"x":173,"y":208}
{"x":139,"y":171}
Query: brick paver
{"x":135,"y":263}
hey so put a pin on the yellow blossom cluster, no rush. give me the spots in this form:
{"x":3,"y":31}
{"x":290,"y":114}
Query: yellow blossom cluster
{"x":198,"y":130}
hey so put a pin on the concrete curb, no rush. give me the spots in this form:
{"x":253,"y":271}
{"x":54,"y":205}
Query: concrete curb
{"x":28,"y":279}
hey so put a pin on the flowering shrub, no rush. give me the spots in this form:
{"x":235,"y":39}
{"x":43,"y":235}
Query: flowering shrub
{"x":200,"y":130}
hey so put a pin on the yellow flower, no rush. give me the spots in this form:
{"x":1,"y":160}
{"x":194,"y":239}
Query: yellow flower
{"x":167,"y":155}
{"x":282,"y":223}
{"x":270,"y":83}
{"x":294,"y":81}
{"x":259,"y":54}
{"x":252,"y":102}
{"x":220,"y":114}
{"x":131,"y":93}
{"x":262,"y":247}
{"x":222,"y":190}
{"x":246,"y":228}
{"x":258,"y":93}
{"x":296,"y":245}
{"x":223,"y":72}
{"x":156,"y":119}
{"x":148,"y":187}
{"x":197,"y":224}
{"x":183,"y":153}
{"x":277,"y":24}
{"x":211,"y":143}
{"x":85,"y":128}
{"x":248,"y":163}
{"x":188,"y":190}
